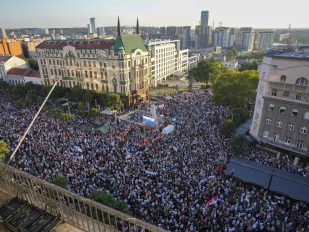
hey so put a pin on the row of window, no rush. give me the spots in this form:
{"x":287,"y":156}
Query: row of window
{"x":287,"y":140}
{"x":90,"y":63}
{"x":300,"y":81}
{"x":286,"y":94}
{"x":291,"y":126}
{"x":283,"y":110}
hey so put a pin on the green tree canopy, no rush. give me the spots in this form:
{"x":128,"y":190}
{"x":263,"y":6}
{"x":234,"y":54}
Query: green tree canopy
{"x":240,"y":145}
{"x":113,"y":101}
{"x":207,"y":71}
{"x":33,"y":64}
{"x":227,"y":128}
{"x":61,"y":181}
{"x":4,"y":151}
{"x":110,"y":201}
{"x":251,"y":65}
{"x":232,"y":54}
{"x":235,"y":89}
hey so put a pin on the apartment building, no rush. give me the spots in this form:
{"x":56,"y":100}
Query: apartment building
{"x":245,"y":39}
{"x":167,"y":60}
{"x":281,"y":114}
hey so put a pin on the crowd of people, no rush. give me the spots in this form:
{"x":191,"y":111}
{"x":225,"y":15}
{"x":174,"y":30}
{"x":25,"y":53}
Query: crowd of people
{"x":172,"y":181}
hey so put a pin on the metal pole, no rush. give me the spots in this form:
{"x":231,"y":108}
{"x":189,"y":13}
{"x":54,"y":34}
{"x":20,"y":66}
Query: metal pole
{"x":68,"y":106}
{"x":29,"y":127}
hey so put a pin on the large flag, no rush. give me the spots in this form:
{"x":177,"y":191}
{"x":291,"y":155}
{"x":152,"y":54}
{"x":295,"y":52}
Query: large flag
{"x":149,"y":121}
{"x":213,"y":200}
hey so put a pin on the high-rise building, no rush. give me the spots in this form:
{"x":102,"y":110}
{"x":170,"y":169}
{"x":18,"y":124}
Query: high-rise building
{"x":93,"y":27}
{"x":2,"y":33}
{"x":202,"y":31}
{"x":245,"y":39}
{"x":108,"y":65}
{"x":264,"y":40}
{"x":101,"y":31}
{"x":89,"y":29}
{"x":186,"y":37}
{"x":222,"y":37}
{"x":281,"y":114}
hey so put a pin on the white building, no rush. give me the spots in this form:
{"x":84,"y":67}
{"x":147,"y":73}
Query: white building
{"x":93,"y":28}
{"x":9,"y":62}
{"x":245,"y":39}
{"x":264,"y":40}
{"x":101,"y":31}
{"x":167,"y":60}
{"x":20,"y":76}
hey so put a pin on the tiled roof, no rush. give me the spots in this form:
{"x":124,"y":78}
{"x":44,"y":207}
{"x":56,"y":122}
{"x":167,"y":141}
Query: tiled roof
{"x":78,"y":44}
{"x":4,"y":58}
{"x":24,"y":72}
{"x":129,"y":43}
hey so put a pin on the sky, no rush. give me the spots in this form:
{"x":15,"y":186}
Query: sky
{"x":76,"y":13}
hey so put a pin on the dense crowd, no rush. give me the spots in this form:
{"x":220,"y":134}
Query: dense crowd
{"x":171,"y":180}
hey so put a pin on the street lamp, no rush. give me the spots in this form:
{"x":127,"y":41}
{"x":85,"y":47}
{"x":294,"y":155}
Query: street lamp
{"x":32,"y":122}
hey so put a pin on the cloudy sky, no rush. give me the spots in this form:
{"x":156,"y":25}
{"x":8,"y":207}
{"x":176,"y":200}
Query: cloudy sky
{"x":76,"y":13}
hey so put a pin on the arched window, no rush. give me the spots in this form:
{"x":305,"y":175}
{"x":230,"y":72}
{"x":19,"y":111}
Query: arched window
{"x":302,"y":81}
{"x":283,"y":78}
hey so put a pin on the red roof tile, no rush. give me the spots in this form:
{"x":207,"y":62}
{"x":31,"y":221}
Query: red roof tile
{"x":17,"y":71}
{"x":24,"y":72}
{"x":78,"y":44}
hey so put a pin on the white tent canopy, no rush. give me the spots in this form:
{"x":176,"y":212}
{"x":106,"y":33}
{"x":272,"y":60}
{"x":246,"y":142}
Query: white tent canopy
{"x":168,"y":129}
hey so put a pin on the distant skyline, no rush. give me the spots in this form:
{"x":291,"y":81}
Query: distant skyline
{"x":76,"y":13}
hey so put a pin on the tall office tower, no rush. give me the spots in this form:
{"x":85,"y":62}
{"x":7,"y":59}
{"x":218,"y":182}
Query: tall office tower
{"x":222,"y":37}
{"x":60,"y":31}
{"x":89,"y":30}
{"x":202,"y":33}
{"x":2,"y":33}
{"x":93,"y":28}
{"x":245,"y":39}
{"x":101,"y":31}
{"x":46,"y":31}
{"x":186,"y":37}
{"x":264,"y":40}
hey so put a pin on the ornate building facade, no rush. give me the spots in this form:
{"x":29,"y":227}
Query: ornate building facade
{"x":119,"y":66}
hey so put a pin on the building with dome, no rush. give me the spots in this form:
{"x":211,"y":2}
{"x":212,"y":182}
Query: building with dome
{"x":120,"y":65}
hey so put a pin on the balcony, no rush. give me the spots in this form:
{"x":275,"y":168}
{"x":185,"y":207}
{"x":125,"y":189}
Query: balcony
{"x":291,"y":147}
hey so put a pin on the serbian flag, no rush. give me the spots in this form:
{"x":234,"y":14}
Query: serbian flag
{"x":213,"y":200}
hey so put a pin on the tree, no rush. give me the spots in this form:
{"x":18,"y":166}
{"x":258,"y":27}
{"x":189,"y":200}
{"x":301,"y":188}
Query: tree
{"x":94,"y":113}
{"x":66,"y":116}
{"x":240,"y":115}
{"x":232,"y":54}
{"x":33,"y":64}
{"x":110,"y":201}
{"x":235,"y":89}
{"x":207,"y":71}
{"x":61,"y":181}
{"x":4,"y":151}
{"x":113,"y":101}
{"x":252,"y":65}
{"x":227,"y":128}
{"x":240,"y":145}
